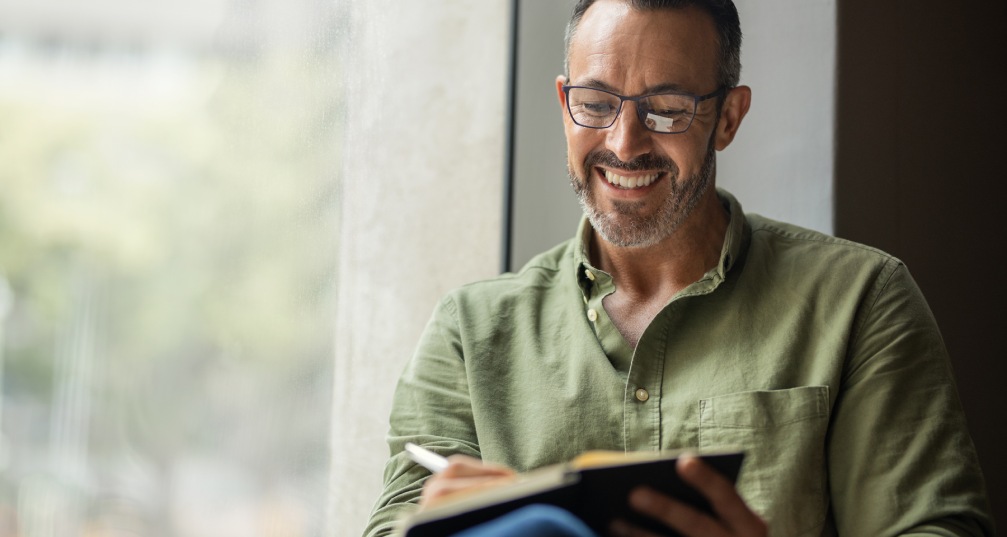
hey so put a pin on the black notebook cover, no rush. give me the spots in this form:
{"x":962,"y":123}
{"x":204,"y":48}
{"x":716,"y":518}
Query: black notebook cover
{"x":597,"y":495}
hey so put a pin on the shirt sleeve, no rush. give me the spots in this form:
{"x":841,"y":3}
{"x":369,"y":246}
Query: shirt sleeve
{"x":431,"y":408}
{"x":901,"y":461}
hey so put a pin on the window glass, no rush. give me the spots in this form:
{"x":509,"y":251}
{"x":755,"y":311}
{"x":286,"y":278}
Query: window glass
{"x":168,"y":199}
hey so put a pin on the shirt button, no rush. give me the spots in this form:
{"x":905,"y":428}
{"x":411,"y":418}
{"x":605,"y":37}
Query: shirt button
{"x":592,"y":315}
{"x":589,"y":274}
{"x":642,"y":395}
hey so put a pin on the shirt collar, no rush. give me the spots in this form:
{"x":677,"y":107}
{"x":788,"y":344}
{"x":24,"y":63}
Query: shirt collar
{"x":729,"y":254}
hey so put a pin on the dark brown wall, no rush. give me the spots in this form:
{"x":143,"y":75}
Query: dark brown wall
{"x":920,"y":173}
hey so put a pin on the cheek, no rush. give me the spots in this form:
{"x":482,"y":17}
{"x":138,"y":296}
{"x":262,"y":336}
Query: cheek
{"x":580,"y":142}
{"x":576,"y":150}
{"x":688,"y":154}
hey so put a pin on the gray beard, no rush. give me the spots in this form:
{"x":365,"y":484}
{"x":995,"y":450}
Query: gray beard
{"x":624,"y":226}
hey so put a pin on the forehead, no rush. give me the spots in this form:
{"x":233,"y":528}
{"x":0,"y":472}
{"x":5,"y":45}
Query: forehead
{"x":632,"y":51}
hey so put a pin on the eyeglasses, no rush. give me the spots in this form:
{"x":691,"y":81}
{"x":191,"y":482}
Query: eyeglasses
{"x":666,"y":113}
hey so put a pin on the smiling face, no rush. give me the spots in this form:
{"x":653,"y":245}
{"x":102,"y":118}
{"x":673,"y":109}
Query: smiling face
{"x":636,"y":186}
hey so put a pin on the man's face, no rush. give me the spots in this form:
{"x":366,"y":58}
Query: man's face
{"x":637,"y":186}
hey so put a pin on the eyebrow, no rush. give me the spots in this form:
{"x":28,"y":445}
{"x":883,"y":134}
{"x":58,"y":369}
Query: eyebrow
{"x":660,"y":88}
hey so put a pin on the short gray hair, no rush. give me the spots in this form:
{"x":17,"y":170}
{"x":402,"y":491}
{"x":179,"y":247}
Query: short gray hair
{"x":725,"y":17}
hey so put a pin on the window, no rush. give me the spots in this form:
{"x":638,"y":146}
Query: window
{"x":168,"y":214}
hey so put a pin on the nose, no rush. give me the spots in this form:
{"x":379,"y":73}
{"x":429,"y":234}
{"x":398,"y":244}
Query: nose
{"x":628,"y":138}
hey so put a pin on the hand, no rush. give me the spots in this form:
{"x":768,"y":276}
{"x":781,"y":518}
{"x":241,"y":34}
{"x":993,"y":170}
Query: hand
{"x":463,"y":474}
{"x":735,"y":518}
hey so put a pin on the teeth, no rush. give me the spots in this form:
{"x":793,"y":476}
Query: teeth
{"x":630,"y":182}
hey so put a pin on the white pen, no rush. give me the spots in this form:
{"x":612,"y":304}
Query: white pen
{"x":426,"y":458}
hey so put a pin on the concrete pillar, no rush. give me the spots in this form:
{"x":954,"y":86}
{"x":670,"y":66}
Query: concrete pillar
{"x":421,"y":200}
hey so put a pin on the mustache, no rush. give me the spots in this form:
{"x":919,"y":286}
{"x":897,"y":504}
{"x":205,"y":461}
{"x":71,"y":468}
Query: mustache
{"x":647,"y":161}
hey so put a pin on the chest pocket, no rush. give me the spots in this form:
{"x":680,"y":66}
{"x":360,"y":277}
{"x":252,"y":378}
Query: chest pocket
{"x":783,"y":435}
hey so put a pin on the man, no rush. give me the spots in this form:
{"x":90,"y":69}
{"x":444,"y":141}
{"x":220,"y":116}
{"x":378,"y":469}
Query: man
{"x":674,"y":320}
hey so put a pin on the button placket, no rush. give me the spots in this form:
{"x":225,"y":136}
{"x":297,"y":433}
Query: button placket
{"x":644,"y":389}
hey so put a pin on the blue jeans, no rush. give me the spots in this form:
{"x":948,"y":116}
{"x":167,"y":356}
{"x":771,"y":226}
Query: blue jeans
{"x":532,"y":521}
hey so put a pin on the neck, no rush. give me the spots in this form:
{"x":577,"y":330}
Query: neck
{"x":663,"y":269}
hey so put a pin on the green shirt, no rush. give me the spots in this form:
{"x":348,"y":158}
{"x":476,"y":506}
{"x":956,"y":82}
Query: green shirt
{"x":818,"y":356}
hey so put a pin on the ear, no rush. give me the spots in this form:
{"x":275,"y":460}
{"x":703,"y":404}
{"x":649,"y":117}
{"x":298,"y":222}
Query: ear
{"x":736,"y":104}
{"x":560,"y":94}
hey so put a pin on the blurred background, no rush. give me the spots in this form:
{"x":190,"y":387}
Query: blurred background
{"x":168,"y":225}
{"x":224,"y":224}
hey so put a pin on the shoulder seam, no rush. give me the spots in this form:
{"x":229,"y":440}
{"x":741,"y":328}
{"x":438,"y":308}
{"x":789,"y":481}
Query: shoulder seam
{"x":508,"y":276}
{"x":815,"y":236}
{"x":858,"y":329}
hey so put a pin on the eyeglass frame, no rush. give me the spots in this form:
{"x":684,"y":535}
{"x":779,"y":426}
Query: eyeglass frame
{"x":641,"y":113}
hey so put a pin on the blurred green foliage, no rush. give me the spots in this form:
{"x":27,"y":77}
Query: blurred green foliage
{"x":200,"y":231}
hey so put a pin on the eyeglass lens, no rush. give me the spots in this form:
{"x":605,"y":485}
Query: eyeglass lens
{"x":665,"y":113}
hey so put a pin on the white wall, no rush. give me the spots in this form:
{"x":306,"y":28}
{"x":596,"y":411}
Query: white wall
{"x":421,"y":204}
{"x":781,"y":163}
{"x":545,"y":210}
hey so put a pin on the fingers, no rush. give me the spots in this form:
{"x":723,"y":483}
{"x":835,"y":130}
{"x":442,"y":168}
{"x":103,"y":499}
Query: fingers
{"x":733,"y":515}
{"x":465,"y":466}
{"x":438,"y":489}
{"x":674,"y":514}
{"x":463,"y":475}
{"x":621,"y":528}
{"x":722,"y":495}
